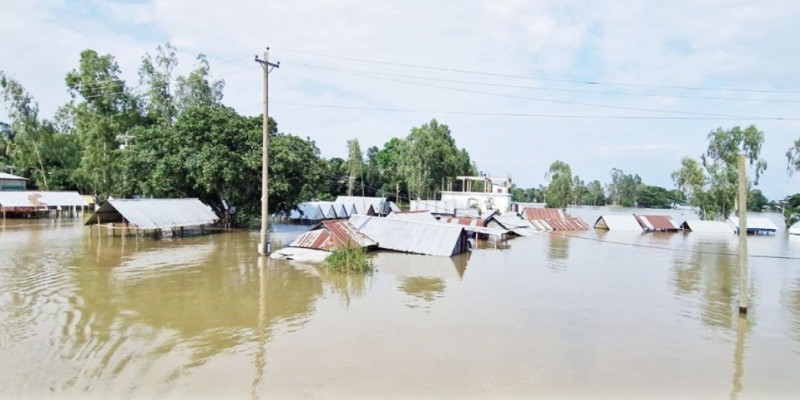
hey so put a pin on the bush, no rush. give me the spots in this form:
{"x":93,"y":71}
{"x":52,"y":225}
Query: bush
{"x":349,"y":259}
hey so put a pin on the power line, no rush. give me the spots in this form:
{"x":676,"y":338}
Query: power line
{"x":547,"y":89}
{"x":538,"y":78}
{"x":530,"y":115}
{"x":567,"y":102}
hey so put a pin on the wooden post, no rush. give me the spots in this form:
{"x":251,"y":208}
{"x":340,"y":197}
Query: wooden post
{"x":742,"y":237}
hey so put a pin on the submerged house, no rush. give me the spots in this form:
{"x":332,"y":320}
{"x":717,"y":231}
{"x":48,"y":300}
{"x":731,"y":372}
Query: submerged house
{"x":153,"y":214}
{"x":707,"y":226}
{"x":431,"y":238}
{"x":509,"y":222}
{"x":794,"y":229}
{"x":28,"y":203}
{"x":307,"y":213}
{"x":11,"y":182}
{"x":368,"y":205}
{"x":618,"y":222}
{"x":755,"y":225}
{"x":420,"y":216}
{"x":332,"y":234}
{"x":657,"y":223}
{"x":552,"y":219}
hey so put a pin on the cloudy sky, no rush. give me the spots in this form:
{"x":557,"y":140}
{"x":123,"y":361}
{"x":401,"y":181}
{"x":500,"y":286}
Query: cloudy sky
{"x":634,"y":85}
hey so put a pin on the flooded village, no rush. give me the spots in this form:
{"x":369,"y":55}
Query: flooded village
{"x":399,"y":200}
{"x":464,"y":301}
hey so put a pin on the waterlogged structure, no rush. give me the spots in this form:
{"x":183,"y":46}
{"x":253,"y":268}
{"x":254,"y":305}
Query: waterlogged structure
{"x":153,"y":214}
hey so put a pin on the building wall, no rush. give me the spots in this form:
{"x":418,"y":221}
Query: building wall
{"x":485,"y":201}
{"x":12,"y":184}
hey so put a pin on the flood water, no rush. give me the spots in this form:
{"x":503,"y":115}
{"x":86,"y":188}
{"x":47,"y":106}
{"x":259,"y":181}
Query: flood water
{"x":591,"y":315}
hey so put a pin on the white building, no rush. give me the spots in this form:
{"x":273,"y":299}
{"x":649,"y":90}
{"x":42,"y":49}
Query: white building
{"x":491,"y":193}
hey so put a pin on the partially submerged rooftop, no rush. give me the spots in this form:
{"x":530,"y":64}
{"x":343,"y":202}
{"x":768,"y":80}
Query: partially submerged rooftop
{"x":151,"y":214}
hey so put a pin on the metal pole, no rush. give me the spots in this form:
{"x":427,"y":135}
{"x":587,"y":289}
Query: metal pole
{"x":742,"y":236}
{"x":263,"y":245}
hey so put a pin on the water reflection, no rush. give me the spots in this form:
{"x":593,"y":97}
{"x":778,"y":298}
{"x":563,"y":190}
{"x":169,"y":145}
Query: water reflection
{"x":708,"y":269}
{"x":196,"y":297}
{"x":558,"y":251}
{"x":742,"y":326}
{"x":790,"y":297}
{"x":422,"y":278}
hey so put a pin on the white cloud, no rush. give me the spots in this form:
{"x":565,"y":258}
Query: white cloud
{"x":721,"y":43}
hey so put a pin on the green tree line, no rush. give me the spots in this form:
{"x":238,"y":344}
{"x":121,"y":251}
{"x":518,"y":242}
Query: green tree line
{"x":172,"y":136}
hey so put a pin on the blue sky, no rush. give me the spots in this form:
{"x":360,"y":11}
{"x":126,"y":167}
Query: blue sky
{"x":634,"y":85}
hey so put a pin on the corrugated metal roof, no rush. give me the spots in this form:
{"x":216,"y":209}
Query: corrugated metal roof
{"x":4,"y":175}
{"x":656,"y":222}
{"x":412,"y":236}
{"x":511,"y":222}
{"x":476,"y":225}
{"x":332,"y":234}
{"x":708,"y":226}
{"x":422,"y":216}
{"x":755,"y":225}
{"x":617,"y":222}
{"x":30,"y":198}
{"x":154,"y":213}
{"x":307,"y":211}
{"x":339,"y":209}
{"x":531,"y":213}
{"x":434,"y":206}
{"x":795,"y":229}
{"x":568,"y":224}
{"x":379,"y":205}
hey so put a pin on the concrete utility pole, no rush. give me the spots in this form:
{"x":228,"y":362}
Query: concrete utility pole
{"x":263,"y":244}
{"x":742,"y":236}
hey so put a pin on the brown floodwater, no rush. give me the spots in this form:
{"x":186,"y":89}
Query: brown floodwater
{"x":590,"y":315}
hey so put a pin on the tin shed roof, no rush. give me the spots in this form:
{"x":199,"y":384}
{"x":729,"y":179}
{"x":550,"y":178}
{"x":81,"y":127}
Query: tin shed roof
{"x":31,"y":198}
{"x":307,"y":211}
{"x":434,"y":239}
{"x":795,"y":228}
{"x":542,"y":213}
{"x":707,"y":226}
{"x":379,"y":204}
{"x":332,"y":234}
{"x":618,"y":222}
{"x":755,"y":225}
{"x":421,"y":216}
{"x":4,"y":175}
{"x":154,"y":213}
{"x":656,"y":222}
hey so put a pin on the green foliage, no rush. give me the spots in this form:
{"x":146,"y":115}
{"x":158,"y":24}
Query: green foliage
{"x":654,"y":197}
{"x":349,"y":259}
{"x":430,"y":156}
{"x":355,"y":164}
{"x":793,"y":158}
{"x":559,"y":191}
{"x":791,"y":209}
{"x":623,"y":188}
{"x":756,"y":201}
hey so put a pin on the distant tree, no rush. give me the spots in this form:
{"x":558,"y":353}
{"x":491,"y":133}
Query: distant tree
{"x":653,"y":197}
{"x":355,"y":164}
{"x":431,"y":156}
{"x":793,"y":158}
{"x":155,"y":74}
{"x":720,"y":162}
{"x":388,"y":162}
{"x":623,"y":188}
{"x":596,"y":196}
{"x":756,"y":201}
{"x":559,"y":191}
{"x":197,"y":88}
{"x":107,"y":109}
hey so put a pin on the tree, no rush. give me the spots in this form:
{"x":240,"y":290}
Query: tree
{"x":107,"y":110}
{"x":197,"y":89}
{"x":35,"y":148}
{"x":720,"y":162}
{"x":155,"y":74}
{"x":623,"y":188}
{"x":596,"y":194}
{"x":388,"y":162}
{"x":559,"y":191}
{"x":793,"y":158}
{"x":355,"y":164}
{"x":756,"y":201}
{"x":690,"y":180}
{"x":431,"y":156}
